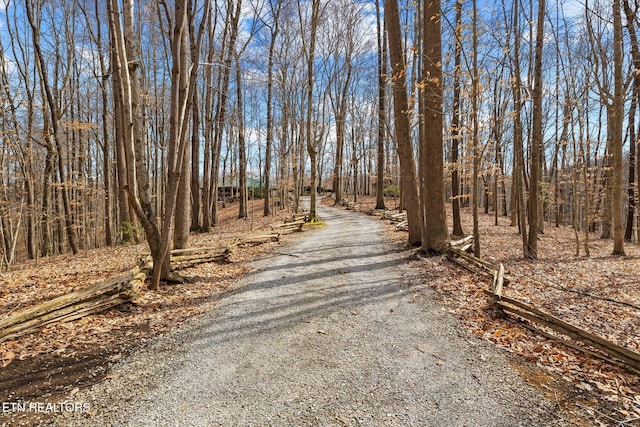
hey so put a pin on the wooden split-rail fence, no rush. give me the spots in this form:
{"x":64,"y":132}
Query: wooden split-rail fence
{"x":537,"y":320}
{"x":103,"y":296}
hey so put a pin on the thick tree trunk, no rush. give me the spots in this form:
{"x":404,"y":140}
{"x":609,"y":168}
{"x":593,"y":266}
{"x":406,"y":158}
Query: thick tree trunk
{"x":537,"y":138}
{"x":434,"y":233}
{"x":409,"y":180}
{"x":618,"y":113}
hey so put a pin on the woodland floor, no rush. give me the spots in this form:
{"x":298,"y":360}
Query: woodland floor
{"x":61,"y":359}
{"x":600,"y":294}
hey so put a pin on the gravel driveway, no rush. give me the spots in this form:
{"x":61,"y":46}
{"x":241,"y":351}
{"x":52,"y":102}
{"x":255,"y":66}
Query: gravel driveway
{"x":328,"y":332}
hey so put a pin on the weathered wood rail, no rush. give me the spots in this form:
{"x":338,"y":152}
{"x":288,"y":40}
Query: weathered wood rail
{"x":105,"y":295}
{"x":183,"y":258}
{"x":77,"y":304}
{"x":288,"y":227}
{"x":538,"y":320}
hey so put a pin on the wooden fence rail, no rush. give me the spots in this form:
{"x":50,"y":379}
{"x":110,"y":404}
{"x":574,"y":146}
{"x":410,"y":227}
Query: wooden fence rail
{"x":105,"y":295}
{"x":536,"y":319}
{"x":77,"y":304}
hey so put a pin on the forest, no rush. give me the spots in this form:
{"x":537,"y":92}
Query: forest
{"x":136,"y":120}
{"x":144,"y":122}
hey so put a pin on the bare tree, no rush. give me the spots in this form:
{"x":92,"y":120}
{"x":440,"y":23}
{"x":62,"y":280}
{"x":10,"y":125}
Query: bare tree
{"x":537,"y":136}
{"x":274,"y":28}
{"x":616,"y":131}
{"x":382,"y":95}
{"x":434,"y":229}
{"x":518,"y":149}
{"x":402,"y":129}
{"x":309,"y":48}
{"x":54,"y":116}
{"x":455,"y":122}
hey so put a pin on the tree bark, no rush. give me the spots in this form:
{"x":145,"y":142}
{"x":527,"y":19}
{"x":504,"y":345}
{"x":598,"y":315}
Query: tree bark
{"x":434,"y":232}
{"x":476,"y":131}
{"x":635,"y":56}
{"x":408,"y":175}
{"x":312,"y":145}
{"x":617,"y":120}
{"x":631,"y":199}
{"x":275,"y":28}
{"x":382,"y":95}
{"x":537,"y":137}
{"x":519,"y":177}
{"x":54,"y":117}
{"x":455,"y":123}
{"x":242,"y":149}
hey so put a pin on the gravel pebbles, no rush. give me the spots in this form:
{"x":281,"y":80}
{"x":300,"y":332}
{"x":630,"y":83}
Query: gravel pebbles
{"x":326,"y":333}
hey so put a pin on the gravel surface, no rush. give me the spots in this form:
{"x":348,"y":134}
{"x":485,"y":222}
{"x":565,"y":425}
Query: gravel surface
{"x":327,"y":332}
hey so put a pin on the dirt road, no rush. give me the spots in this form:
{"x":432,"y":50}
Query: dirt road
{"x":327,"y":332}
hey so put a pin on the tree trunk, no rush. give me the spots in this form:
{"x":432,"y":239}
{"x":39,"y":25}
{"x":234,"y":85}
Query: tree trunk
{"x":242,"y":155}
{"x":618,"y":113}
{"x":408,"y":175}
{"x":518,"y":182}
{"x":312,"y":145}
{"x":184,"y":196}
{"x":382,"y":95}
{"x":635,"y":56}
{"x":269,"y":143}
{"x":131,"y":116}
{"x":54,"y":117}
{"x":536,"y":138}
{"x":476,"y":130}
{"x":233,"y":16}
{"x":631,"y":199}
{"x":195,"y":164}
{"x":455,"y":123}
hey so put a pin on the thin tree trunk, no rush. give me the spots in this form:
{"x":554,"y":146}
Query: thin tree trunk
{"x":242,"y":155}
{"x":455,"y":123}
{"x":195,"y":164}
{"x":631,"y":199}
{"x":269,"y":143}
{"x":382,"y":95}
{"x":53,"y":111}
{"x":476,"y":131}
{"x":518,"y":149}
{"x":233,"y":15}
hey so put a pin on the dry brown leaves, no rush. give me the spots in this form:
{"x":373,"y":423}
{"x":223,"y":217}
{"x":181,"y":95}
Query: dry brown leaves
{"x":150,"y":314}
{"x":576,"y":289}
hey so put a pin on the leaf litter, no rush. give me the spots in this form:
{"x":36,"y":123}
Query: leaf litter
{"x":600,"y":294}
{"x":94,"y":341}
